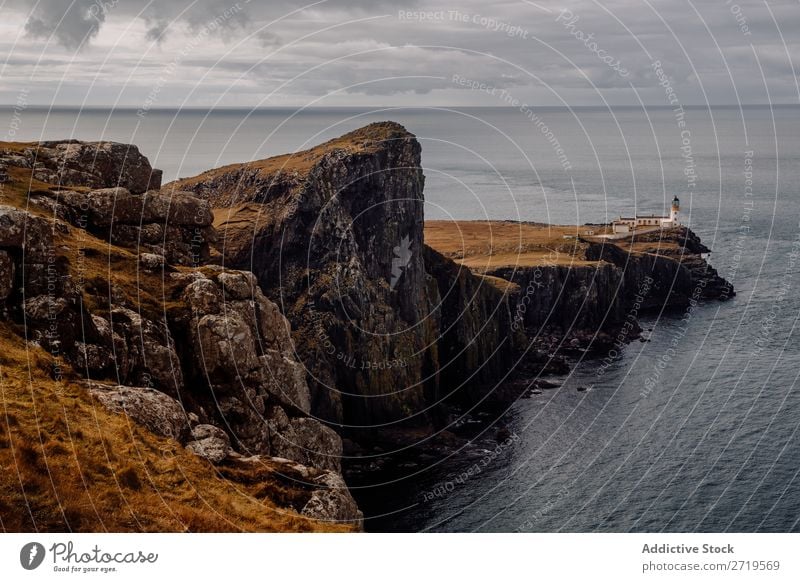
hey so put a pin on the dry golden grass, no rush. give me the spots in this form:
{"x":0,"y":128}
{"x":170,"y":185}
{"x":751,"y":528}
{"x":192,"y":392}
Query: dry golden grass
{"x":68,"y":464}
{"x":487,"y":245}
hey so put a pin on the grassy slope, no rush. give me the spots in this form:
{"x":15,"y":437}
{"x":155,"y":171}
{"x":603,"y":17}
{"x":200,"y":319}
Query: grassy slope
{"x":68,"y":464}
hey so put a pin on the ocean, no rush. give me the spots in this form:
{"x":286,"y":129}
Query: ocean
{"x":714,"y":444}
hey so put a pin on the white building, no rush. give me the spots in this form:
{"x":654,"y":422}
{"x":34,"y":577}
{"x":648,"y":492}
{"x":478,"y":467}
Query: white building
{"x":629,"y":224}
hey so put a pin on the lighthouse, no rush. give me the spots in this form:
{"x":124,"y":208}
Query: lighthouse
{"x":626,"y":225}
{"x":673,"y":213}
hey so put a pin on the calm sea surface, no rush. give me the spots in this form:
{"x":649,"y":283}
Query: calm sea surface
{"x":715,"y":445}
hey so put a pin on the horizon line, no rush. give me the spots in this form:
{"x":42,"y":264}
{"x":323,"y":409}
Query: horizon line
{"x":377,"y":108}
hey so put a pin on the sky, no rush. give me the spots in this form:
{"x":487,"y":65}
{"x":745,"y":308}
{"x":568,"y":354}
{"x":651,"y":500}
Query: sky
{"x":217,"y":53}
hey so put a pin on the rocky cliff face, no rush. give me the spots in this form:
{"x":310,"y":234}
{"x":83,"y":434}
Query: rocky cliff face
{"x":111,"y":281}
{"x":335,"y":237}
{"x":585,"y":305}
{"x":386,"y":327}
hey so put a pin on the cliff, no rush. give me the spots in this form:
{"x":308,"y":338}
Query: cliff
{"x":335,"y":236}
{"x":577,"y":291}
{"x":105,"y":289}
{"x":387,"y":327}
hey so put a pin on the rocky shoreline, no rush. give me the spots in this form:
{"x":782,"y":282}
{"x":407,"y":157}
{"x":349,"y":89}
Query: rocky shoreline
{"x":278,"y":315}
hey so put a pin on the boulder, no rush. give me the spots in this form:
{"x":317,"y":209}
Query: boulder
{"x":331,"y":501}
{"x":238,"y":284}
{"x":175,"y":224}
{"x":210,"y":442}
{"x":321,"y":445}
{"x":154,"y":410}
{"x":26,"y":232}
{"x":225,"y":347}
{"x":304,"y":440}
{"x":89,"y":164}
{"x":151,"y":261}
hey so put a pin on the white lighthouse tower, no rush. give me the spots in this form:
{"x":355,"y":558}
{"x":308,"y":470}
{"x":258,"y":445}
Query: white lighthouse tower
{"x":674,"y":211}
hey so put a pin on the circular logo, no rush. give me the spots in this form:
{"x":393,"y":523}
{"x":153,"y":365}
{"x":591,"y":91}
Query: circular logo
{"x":31,"y":555}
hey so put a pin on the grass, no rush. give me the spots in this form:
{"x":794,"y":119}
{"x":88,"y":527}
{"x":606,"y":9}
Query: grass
{"x":70,"y":465}
{"x":487,"y":245}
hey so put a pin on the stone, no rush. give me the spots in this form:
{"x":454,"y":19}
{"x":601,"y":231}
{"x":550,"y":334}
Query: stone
{"x":331,"y":501}
{"x":238,"y":284}
{"x":226,"y":349}
{"x":274,"y":328}
{"x":94,"y":358}
{"x":210,"y":442}
{"x":203,"y":296}
{"x":304,"y":440}
{"x":285,"y":380}
{"x":149,"y":350}
{"x":321,"y":445}
{"x":25,"y":231}
{"x":151,"y":261}
{"x":89,"y":164}
{"x":159,"y":413}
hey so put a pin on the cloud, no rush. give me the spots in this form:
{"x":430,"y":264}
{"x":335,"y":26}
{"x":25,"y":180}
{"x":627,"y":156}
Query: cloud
{"x":71,"y":23}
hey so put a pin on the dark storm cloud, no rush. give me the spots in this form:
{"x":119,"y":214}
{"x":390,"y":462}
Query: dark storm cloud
{"x":72,"y":23}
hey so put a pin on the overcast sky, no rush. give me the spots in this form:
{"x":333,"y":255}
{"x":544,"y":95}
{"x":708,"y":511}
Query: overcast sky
{"x":159,"y":53}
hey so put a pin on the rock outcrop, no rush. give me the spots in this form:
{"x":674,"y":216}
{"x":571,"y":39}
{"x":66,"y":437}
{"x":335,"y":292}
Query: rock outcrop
{"x":87,"y":164}
{"x":334,"y":236}
{"x":171,"y":224}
